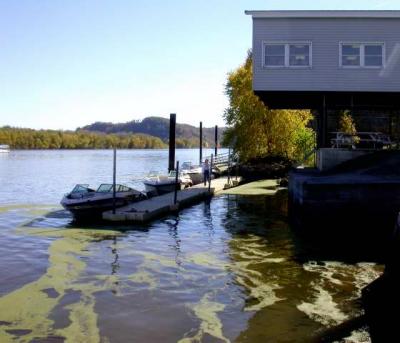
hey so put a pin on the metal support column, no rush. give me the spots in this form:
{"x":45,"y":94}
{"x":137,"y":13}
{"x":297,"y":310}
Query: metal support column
{"x":114,"y":179}
{"x":171,"y":156}
{"x":201,"y":144}
{"x":216,"y":140}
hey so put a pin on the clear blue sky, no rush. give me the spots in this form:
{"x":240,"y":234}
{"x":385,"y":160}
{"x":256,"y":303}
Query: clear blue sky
{"x":68,"y":63}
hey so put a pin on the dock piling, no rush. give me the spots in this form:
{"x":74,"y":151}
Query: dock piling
{"x":176,"y":182}
{"x":114,"y":178}
{"x":229,"y":165}
{"x":201,"y":143}
{"x":171,"y":156}
{"x":216,"y":140}
{"x":210,"y":173}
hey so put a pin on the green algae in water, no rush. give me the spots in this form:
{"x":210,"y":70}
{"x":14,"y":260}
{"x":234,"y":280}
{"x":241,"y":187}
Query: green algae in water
{"x":30,"y":307}
{"x":245,"y":277}
{"x":206,"y":312}
{"x":144,"y":277}
{"x":262,"y":187}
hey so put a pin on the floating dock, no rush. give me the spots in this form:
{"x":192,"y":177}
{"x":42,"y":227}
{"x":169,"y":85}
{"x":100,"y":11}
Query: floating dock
{"x":149,"y":209}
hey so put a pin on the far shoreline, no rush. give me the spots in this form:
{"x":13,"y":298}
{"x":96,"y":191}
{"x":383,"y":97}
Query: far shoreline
{"x":90,"y":149}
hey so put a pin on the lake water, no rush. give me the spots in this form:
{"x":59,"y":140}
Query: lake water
{"x":222,"y":271}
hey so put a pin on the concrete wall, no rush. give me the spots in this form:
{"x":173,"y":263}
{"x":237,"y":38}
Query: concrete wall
{"x":325,"y":73}
{"x":329,"y":157}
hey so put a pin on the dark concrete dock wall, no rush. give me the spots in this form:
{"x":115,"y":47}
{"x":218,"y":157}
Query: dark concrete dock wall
{"x":356,"y":202}
{"x":328,"y":158}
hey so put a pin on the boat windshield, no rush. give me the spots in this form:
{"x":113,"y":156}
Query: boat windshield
{"x":186,"y":165}
{"x":154,"y":173}
{"x":121,"y":188}
{"x":172,"y":173}
{"x":189,"y":166}
{"x":105,"y":188}
{"x":84,"y":188}
{"x":108,"y":187}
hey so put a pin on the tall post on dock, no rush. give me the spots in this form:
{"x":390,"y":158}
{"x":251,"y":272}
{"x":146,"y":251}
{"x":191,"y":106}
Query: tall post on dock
{"x":216,"y":140}
{"x":237,"y":168}
{"x":176,"y":182}
{"x":322,"y":124}
{"x":210,"y":173}
{"x":171,"y":156}
{"x":114,"y":179}
{"x":229,"y":166}
{"x":201,"y":143}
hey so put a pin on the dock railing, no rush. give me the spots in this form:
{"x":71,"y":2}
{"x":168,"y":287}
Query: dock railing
{"x":223,"y":159}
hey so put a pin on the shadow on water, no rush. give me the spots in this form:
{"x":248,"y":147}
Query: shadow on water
{"x":298,"y":286}
{"x":63,"y":219}
{"x":272,"y":211}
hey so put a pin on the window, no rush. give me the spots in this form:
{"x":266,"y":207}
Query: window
{"x":364,"y":55}
{"x":299,"y":55}
{"x":351,"y":55}
{"x":373,"y":55}
{"x":275,"y":55}
{"x":287,"y":54}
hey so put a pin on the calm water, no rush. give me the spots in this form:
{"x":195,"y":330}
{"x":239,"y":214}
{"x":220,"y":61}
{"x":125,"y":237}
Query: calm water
{"x":224,"y":271}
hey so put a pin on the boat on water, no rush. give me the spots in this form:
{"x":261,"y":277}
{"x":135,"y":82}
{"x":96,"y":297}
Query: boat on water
{"x":85,"y":202}
{"x":195,"y":172}
{"x":159,"y":184}
{"x":4,"y":148}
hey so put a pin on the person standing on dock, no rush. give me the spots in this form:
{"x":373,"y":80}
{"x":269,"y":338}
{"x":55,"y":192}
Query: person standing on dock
{"x":206,"y":171}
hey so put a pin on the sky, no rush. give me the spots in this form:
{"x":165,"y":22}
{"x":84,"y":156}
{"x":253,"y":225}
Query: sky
{"x":68,"y":63}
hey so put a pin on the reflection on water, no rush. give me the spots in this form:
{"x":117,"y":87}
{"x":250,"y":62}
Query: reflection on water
{"x":223,"y":271}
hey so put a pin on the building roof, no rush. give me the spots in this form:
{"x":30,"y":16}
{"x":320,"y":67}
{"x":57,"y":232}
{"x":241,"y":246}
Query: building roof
{"x":324,"y":14}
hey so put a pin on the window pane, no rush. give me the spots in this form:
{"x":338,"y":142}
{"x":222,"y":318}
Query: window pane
{"x":373,"y":55}
{"x":351,"y":54}
{"x":275,"y":55}
{"x":373,"y":50}
{"x":275,"y":60}
{"x":275,"y":50}
{"x":299,"y":60}
{"x":352,"y":49}
{"x":351,"y":60}
{"x":299,"y":55}
{"x":373,"y":61}
{"x":299,"y":49}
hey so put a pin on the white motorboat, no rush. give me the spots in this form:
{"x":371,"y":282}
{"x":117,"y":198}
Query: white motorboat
{"x":195,"y":172}
{"x":159,"y":184}
{"x":4,"y":148}
{"x":86,"y":203}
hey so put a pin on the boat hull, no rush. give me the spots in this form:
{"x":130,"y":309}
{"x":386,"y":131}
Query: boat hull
{"x":93,"y":208}
{"x":196,"y":177}
{"x":4,"y":148}
{"x":161,"y":188}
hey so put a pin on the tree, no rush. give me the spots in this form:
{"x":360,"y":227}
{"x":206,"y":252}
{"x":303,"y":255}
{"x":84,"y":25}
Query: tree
{"x":254,"y":130}
{"x":346,"y":123}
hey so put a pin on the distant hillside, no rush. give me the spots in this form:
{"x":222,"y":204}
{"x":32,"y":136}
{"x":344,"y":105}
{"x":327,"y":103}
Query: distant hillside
{"x":186,"y":135}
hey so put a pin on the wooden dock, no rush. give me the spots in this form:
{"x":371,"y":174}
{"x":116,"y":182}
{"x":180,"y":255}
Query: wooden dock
{"x":149,"y":209}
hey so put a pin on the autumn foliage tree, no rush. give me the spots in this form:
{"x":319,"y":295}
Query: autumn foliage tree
{"x":256,"y":131}
{"x":19,"y":138}
{"x":347,"y":124}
